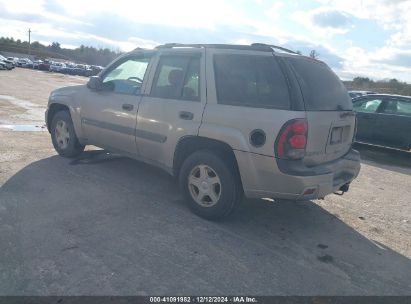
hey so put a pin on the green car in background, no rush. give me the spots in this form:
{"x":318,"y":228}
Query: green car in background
{"x":384,"y":120}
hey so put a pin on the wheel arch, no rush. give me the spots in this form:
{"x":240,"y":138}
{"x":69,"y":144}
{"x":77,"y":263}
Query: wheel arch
{"x":190,"y":144}
{"x":74,"y":115}
{"x":52,"y":110}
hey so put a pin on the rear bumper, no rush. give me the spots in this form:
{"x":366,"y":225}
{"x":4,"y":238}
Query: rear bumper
{"x":264,"y":176}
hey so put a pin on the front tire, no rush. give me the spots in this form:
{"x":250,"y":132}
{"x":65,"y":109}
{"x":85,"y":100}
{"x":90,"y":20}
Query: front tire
{"x":63,"y":136}
{"x":210,"y":184}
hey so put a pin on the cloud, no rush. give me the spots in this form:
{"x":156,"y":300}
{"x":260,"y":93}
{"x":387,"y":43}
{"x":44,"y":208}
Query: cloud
{"x":180,"y":13}
{"x":324,"y":21}
{"x":332,"y":19}
{"x":392,"y":15}
{"x":127,"y":24}
{"x":385,"y":62}
{"x":274,"y":10}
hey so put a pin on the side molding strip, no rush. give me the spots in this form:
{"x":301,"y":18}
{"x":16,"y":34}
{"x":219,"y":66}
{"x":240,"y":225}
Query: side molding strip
{"x":125,"y":130}
{"x":108,"y":126}
{"x":151,"y":136}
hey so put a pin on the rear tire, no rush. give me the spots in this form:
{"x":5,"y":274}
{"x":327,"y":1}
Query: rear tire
{"x":63,"y":136}
{"x":210,"y":184}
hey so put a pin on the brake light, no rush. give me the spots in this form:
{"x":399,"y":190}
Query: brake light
{"x":297,"y":141}
{"x":292,"y":139}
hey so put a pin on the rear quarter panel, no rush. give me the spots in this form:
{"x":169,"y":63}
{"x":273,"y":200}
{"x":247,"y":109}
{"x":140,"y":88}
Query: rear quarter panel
{"x":234,"y":124}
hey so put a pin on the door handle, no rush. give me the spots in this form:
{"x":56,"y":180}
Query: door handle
{"x":127,"y":107}
{"x":367,"y":117}
{"x":186,"y":115}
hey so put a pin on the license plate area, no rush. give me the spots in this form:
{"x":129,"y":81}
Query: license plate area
{"x":336,"y":135}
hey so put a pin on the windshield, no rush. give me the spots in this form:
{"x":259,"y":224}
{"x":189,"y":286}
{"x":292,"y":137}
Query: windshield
{"x":321,"y":88}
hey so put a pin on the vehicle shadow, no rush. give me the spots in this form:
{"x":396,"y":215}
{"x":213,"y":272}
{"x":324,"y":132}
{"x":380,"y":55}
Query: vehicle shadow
{"x":120,"y":227}
{"x":384,"y":158}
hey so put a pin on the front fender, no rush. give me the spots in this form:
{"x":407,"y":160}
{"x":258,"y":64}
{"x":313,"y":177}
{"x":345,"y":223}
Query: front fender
{"x":57,"y":102}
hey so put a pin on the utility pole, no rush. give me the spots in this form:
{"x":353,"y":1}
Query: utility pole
{"x":29,"y":42}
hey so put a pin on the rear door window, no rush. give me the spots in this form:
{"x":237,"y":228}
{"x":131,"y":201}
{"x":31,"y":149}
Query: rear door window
{"x":250,"y":80}
{"x":322,"y":89}
{"x":177,"y":77}
{"x":398,"y":106}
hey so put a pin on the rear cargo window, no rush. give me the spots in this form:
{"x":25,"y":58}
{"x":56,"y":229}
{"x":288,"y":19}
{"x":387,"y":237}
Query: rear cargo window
{"x":322,"y":89}
{"x":247,"y":80}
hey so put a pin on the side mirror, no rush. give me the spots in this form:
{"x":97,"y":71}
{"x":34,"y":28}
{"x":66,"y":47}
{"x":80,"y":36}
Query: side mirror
{"x":95,"y":83}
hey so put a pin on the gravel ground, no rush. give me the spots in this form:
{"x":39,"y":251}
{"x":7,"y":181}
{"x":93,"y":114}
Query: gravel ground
{"x":104,"y":224}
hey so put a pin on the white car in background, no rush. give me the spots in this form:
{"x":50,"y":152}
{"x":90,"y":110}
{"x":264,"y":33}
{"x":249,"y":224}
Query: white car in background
{"x":7,"y":63}
{"x":24,"y":62}
{"x":2,"y":65}
{"x":57,"y":67}
{"x":13,"y":59}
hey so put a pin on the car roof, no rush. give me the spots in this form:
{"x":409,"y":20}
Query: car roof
{"x":361,"y":91}
{"x":252,"y":47}
{"x":261,"y":47}
{"x":382,"y":95}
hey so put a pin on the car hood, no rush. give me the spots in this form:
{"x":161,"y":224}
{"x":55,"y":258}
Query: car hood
{"x":67,"y":91}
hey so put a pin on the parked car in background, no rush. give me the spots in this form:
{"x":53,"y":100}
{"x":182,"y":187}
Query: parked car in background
{"x":82,"y":70}
{"x":28,"y":64}
{"x":384,"y":120}
{"x":8,"y":63}
{"x":354,"y":94}
{"x":57,"y":67}
{"x":36,"y":63}
{"x":3,"y":65}
{"x":45,"y":65}
{"x":95,"y":69}
{"x":296,"y":142}
{"x":68,"y":69}
{"x":13,"y":59}
{"x":22,"y":62}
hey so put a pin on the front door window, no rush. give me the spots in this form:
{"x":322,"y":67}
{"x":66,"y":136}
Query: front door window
{"x":127,"y":77}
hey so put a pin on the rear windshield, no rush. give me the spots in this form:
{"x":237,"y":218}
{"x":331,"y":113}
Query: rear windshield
{"x":322,"y":89}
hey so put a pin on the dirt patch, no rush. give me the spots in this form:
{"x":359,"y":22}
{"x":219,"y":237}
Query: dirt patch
{"x":25,"y":92}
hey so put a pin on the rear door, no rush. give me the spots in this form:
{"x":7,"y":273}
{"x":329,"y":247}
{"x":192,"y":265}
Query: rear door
{"x":367,"y":117}
{"x":331,"y":121}
{"x":393,"y":123}
{"x":174,"y":105}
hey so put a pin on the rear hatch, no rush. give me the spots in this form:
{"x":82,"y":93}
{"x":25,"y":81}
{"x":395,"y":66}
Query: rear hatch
{"x":331,"y":120}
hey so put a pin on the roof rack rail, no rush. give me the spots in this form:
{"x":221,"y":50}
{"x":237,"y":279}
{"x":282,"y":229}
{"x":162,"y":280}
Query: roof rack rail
{"x":275,"y":47}
{"x":171,"y":45}
{"x":259,"y":46}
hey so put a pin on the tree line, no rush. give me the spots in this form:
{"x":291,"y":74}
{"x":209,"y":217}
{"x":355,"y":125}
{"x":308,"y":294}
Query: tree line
{"x":389,"y":86}
{"x":82,"y":54}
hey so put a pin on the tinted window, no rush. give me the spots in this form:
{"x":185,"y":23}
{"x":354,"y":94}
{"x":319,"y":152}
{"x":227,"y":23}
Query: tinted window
{"x":177,"y":77}
{"x":322,"y":89}
{"x":367,"y":106}
{"x":398,"y":106}
{"x":255,"y":81}
{"x":127,"y":77}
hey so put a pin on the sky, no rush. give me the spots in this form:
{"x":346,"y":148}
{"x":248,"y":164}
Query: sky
{"x":370,"y":38}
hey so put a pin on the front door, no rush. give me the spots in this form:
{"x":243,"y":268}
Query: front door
{"x":109,"y":115}
{"x":174,"y":106}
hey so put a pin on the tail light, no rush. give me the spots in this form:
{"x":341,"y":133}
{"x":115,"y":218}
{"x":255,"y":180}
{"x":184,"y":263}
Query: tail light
{"x":292,"y":139}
